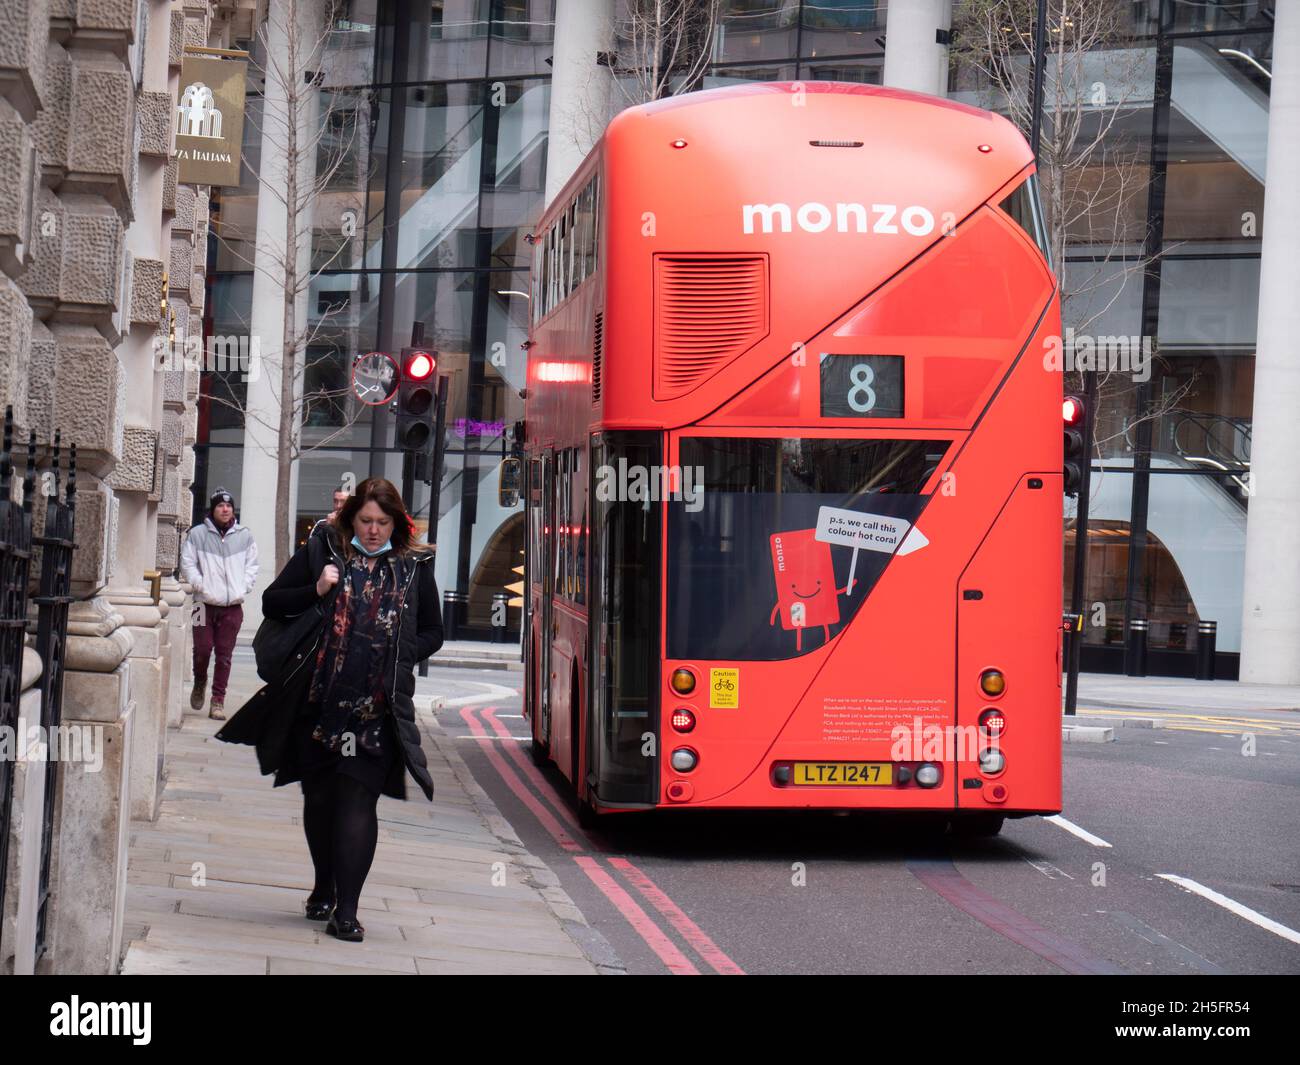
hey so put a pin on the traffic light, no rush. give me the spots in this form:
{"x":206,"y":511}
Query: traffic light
{"x":415,"y":395}
{"x":1074,"y":414}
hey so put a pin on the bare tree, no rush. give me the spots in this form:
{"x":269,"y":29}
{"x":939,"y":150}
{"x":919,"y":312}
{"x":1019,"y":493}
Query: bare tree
{"x":1093,"y":168}
{"x":317,"y":175}
{"x":664,"y":47}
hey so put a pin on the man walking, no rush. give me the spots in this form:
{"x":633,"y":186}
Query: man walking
{"x":219,"y":560}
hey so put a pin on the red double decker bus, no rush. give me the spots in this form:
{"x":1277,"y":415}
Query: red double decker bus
{"x":794,"y":462}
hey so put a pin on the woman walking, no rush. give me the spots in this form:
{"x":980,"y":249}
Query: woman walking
{"x":344,"y":723}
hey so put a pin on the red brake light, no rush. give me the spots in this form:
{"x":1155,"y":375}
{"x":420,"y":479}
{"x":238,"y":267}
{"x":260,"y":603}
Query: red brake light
{"x":993,"y":722}
{"x":1072,"y":410}
{"x":419,"y":365}
{"x":683,"y":720}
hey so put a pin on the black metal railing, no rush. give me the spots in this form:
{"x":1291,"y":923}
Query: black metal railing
{"x":15,"y":566}
{"x":57,"y":544}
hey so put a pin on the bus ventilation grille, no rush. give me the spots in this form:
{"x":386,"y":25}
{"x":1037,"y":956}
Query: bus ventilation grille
{"x":597,"y":348}
{"x":708,"y":310}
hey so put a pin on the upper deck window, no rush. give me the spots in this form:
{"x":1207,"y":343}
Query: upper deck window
{"x":1026,"y":210}
{"x":569,"y":250}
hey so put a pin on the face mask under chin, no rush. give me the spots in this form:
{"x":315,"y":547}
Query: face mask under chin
{"x":388,"y":546}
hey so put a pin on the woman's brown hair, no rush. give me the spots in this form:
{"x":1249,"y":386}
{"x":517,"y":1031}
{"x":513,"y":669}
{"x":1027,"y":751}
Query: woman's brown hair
{"x":384,"y":494}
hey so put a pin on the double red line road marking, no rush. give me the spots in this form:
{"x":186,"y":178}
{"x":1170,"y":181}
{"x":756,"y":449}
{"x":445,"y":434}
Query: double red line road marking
{"x":558,"y":820}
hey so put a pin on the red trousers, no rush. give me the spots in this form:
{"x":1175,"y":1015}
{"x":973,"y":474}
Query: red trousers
{"x":218,"y":632}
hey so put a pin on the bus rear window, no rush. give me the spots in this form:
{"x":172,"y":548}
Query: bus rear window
{"x":758,"y":556}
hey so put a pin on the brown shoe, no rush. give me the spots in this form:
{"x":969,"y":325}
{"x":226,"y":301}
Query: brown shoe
{"x":197,"y":696}
{"x":217,"y":711}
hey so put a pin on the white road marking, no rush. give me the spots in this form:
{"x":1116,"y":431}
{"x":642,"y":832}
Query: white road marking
{"x":494,"y":693}
{"x":1049,"y":870}
{"x":496,"y":739}
{"x":1232,"y":906}
{"x":1075,"y":830}
{"x":500,"y":716}
{"x":1161,"y":743}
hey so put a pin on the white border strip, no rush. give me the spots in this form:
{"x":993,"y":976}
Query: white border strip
{"x":1255,"y":918}
{"x":1075,"y":830}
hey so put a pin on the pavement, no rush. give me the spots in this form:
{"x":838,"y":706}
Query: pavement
{"x":1222,"y":707}
{"x":1113,"y":691}
{"x":216,"y":884}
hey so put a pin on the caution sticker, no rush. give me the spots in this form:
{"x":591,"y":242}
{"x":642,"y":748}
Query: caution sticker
{"x":724,"y":688}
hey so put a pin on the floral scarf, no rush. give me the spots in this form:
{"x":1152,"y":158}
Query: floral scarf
{"x":348,"y":684}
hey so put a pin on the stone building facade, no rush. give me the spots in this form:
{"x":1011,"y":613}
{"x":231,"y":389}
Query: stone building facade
{"x":102,"y":257}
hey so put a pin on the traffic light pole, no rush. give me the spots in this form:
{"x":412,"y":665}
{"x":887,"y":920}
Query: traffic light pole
{"x":1074,"y":647}
{"x":435,"y":478}
{"x":408,"y":458}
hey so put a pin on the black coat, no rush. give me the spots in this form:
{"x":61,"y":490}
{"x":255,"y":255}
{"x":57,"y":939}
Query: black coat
{"x":266,"y":720}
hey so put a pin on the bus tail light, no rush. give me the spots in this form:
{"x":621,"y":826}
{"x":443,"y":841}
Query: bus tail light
{"x":682,"y":681}
{"x":683,"y":720}
{"x":927,"y":775}
{"x":993,"y":722}
{"x":993,"y":683}
{"x":684,"y":759}
{"x":992,"y":761}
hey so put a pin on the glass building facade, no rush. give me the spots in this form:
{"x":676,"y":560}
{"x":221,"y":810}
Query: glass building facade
{"x":463,"y":86}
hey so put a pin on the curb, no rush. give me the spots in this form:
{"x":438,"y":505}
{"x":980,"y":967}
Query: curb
{"x":1164,"y":704}
{"x":1087,"y":734}
{"x":1118,"y":722}
{"x":477,"y":663}
{"x":537,"y":874}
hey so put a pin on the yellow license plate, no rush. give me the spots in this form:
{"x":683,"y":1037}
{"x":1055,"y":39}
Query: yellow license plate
{"x":843,"y":773}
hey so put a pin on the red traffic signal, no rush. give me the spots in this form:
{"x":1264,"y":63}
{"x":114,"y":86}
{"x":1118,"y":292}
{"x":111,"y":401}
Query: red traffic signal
{"x":1074,"y":413}
{"x":417,"y":365}
{"x":415,"y":395}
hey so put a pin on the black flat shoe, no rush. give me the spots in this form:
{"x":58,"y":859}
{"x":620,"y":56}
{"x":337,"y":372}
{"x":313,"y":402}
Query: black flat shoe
{"x":342,"y":928}
{"x":318,"y":911}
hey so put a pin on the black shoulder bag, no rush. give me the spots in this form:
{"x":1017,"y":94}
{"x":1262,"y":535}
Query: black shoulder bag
{"x":281,"y":645}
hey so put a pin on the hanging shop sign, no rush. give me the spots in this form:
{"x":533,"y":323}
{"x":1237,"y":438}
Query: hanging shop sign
{"x":209,"y":120}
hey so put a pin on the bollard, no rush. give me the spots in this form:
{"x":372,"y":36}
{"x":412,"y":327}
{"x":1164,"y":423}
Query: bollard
{"x":1206,"y":638}
{"x":502,"y":611}
{"x":1135,"y":660}
{"x":452,"y":613}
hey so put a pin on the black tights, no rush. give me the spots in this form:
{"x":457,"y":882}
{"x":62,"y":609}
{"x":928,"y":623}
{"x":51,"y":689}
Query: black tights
{"x":342,"y":827}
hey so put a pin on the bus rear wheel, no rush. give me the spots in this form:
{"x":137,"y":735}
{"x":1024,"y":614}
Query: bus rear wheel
{"x":977,"y":825}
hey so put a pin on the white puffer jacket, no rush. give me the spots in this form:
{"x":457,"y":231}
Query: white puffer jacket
{"x":221,"y":569}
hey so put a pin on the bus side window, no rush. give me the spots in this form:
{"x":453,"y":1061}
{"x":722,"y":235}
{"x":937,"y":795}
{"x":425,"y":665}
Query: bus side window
{"x":561,"y":519}
{"x":579,"y":531}
{"x":595,"y":222}
{"x":587,"y":230}
{"x":539,"y":276}
{"x":570,"y":272}
{"x":550,"y":270}
{"x":566,"y":248}
{"x":535,"y":521}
